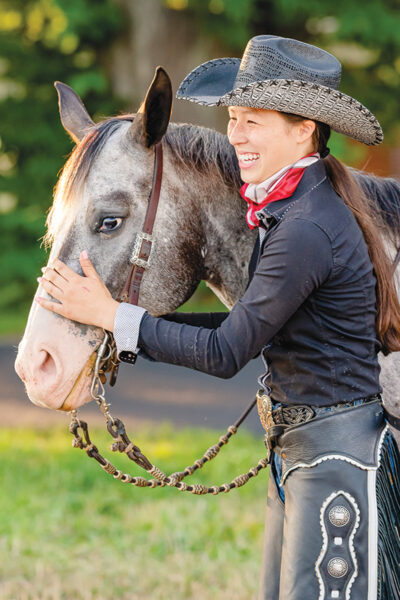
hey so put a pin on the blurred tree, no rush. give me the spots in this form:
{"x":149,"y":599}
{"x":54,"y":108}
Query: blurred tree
{"x":41,"y":41}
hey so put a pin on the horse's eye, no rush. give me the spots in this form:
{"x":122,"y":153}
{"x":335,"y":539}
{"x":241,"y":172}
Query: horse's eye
{"x":110,"y":224}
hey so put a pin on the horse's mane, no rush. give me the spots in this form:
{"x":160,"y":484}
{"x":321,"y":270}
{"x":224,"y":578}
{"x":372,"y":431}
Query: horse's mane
{"x":210,"y":153}
{"x":206,"y":150}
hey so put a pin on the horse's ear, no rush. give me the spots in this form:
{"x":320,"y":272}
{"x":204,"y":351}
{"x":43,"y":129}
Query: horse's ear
{"x":74,"y":116}
{"x":153,"y":116}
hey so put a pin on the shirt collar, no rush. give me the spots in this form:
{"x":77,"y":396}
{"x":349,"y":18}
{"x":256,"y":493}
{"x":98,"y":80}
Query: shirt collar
{"x":274,"y":211}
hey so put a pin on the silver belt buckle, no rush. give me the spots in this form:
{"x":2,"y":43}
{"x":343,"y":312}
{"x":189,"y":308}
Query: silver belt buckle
{"x":264,"y":407}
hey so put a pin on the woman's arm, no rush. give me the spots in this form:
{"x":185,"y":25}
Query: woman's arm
{"x":128,"y":320}
{"x":296,"y":259}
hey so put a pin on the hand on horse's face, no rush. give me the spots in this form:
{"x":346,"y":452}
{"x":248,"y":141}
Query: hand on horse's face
{"x":83,"y":299}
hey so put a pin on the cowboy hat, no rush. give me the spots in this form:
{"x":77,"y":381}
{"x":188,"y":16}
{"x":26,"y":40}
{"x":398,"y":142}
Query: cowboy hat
{"x":277,"y":73}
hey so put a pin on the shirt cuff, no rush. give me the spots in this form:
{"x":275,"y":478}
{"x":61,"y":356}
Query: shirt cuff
{"x":126,"y":330}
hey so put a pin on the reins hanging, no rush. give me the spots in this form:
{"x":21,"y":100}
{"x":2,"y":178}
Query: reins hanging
{"x":123,"y":444}
{"x":108,"y":362}
{"x":161,"y":479}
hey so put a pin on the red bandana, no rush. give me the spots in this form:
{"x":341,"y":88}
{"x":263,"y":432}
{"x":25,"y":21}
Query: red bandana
{"x":284,"y":189}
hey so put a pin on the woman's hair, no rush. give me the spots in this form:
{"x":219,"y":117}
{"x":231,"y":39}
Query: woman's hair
{"x":368,"y":218}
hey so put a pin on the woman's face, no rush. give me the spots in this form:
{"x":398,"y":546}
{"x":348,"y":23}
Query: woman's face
{"x":265,"y":141}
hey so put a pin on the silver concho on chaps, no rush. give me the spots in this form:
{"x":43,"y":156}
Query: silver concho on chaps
{"x":336,"y":533}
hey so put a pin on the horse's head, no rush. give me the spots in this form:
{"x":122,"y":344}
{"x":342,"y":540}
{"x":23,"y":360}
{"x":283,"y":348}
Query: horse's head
{"x":99,"y":205}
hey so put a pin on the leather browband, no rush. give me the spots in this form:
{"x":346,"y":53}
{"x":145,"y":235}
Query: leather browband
{"x":144,"y":240}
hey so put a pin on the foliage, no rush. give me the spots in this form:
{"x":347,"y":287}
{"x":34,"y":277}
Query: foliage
{"x":64,"y":516}
{"x":229,"y":21}
{"x":202,"y":301}
{"x":41,"y":41}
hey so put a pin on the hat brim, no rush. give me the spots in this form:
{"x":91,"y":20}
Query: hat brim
{"x":211,"y":84}
{"x":207,"y":83}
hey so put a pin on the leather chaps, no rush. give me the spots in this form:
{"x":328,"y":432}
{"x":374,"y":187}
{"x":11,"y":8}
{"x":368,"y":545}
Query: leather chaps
{"x":336,"y":534}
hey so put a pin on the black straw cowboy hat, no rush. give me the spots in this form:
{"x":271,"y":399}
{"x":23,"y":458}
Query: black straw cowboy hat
{"x":286,"y":75}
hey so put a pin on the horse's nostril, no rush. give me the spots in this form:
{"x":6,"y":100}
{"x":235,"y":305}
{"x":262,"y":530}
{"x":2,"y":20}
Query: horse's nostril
{"x":46,"y":363}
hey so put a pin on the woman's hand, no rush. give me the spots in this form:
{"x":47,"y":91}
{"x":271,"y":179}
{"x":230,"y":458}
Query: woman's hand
{"x":82,"y":299}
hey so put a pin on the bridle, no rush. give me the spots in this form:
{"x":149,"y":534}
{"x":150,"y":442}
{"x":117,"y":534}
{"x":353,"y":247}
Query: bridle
{"x":106,"y":361}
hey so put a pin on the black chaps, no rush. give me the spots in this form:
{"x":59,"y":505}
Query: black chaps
{"x":336,"y":534}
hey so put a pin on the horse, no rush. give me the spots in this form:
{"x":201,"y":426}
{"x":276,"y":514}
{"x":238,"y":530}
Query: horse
{"x":200,"y":231}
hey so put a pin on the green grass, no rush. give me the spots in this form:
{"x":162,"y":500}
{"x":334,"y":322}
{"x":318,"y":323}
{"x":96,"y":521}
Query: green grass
{"x":69,"y":531}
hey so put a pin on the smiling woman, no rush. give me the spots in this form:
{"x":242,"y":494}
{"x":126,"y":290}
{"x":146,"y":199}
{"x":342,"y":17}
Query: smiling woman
{"x":265,"y":141}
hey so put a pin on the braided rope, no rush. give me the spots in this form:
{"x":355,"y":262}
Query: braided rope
{"x":159,"y":478}
{"x":197,"y":489}
{"x":105,"y":363}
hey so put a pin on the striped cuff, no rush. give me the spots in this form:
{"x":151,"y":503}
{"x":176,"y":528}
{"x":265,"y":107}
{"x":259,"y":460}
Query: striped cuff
{"x":126,"y":327}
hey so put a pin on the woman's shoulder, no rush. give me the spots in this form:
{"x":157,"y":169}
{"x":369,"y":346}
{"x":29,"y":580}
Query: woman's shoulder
{"x":327,"y":210}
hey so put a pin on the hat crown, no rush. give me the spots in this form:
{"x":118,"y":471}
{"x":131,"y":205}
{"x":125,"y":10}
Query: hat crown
{"x":273,"y":57}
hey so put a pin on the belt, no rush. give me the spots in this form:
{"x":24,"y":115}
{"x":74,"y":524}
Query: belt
{"x":282,"y":416}
{"x":276,"y":418}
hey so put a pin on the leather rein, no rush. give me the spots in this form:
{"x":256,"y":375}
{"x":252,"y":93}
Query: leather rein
{"x":106,"y":361}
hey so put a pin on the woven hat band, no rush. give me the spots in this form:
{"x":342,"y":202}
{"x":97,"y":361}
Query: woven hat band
{"x":271,"y":57}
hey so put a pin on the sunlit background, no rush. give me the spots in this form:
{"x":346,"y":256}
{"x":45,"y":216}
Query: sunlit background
{"x":68,"y":531}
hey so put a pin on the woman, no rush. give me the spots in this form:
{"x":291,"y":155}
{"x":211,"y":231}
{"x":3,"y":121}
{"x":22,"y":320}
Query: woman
{"x":320,"y":305}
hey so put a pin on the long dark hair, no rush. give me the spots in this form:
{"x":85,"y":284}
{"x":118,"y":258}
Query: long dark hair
{"x":371,"y":224}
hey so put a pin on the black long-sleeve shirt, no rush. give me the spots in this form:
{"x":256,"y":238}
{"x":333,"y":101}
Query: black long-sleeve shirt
{"x":309,"y":307}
